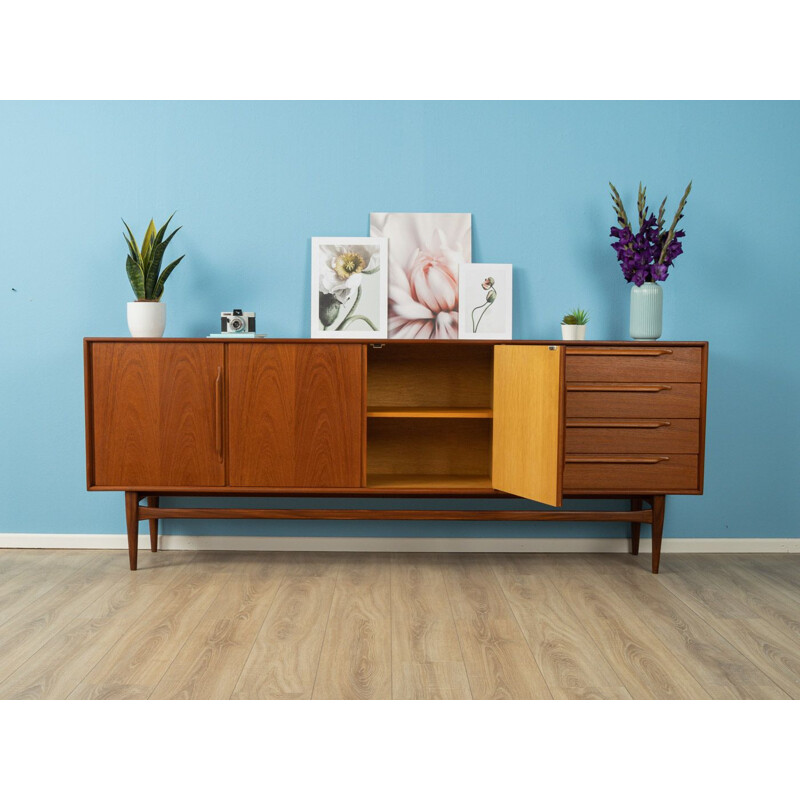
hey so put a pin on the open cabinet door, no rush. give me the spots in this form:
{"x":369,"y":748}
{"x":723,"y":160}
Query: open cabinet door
{"x":528,"y":421}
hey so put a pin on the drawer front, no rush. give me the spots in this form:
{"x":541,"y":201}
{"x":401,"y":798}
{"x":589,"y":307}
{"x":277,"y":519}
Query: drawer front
{"x":632,"y":436}
{"x":634,"y":400}
{"x":631,"y":473}
{"x":682,"y":364}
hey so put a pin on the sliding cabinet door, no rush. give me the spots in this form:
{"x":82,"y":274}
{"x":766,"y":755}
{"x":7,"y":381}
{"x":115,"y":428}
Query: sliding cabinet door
{"x":156,"y":412}
{"x":528,"y":421}
{"x":295,"y":414}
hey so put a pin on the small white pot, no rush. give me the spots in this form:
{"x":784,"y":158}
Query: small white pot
{"x":573,"y":332}
{"x":147,"y":318}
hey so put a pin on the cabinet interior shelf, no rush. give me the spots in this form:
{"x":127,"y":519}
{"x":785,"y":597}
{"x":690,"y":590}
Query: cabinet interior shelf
{"x":429,"y":481}
{"x":429,"y":412}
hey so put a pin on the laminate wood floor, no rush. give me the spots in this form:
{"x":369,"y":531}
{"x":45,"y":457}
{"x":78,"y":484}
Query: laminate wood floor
{"x":187,"y":625}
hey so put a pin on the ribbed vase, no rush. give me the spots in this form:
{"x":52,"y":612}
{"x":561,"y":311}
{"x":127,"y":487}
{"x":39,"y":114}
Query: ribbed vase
{"x":646,"y":310}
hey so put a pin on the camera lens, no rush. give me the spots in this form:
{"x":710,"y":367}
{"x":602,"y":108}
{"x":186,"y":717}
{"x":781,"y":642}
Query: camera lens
{"x":236,"y":323}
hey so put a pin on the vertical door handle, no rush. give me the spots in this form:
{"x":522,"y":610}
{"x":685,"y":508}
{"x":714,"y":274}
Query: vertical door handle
{"x":218,"y":413}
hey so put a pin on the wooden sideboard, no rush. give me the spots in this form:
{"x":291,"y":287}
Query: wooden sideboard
{"x":543,"y":420}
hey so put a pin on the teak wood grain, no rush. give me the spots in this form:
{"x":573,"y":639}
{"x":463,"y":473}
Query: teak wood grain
{"x":390,"y":513}
{"x":429,"y":447}
{"x":594,"y":435}
{"x":393,"y":418}
{"x":528,"y":446}
{"x":452,"y":344}
{"x":155,"y":415}
{"x":400,"y":374}
{"x":454,"y":483}
{"x":656,"y":472}
{"x":656,"y":363}
{"x":295,"y":415}
{"x":423,"y":412}
{"x":633,"y":400}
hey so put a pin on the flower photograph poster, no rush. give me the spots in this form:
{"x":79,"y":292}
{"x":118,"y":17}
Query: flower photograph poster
{"x":349,"y":287}
{"x":424,"y":253}
{"x":485,"y":301}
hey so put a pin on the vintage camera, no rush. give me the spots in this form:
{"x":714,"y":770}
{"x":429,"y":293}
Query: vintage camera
{"x":238,"y":321}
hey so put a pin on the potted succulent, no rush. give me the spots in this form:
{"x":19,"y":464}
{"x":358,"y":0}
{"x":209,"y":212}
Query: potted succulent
{"x":573,"y":326}
{"x":646,"y":258}
{"x":147,"y":315}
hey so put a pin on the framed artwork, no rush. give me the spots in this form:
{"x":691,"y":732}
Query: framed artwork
{"x":424,"y":253}
{"x":349,"y":287}
{"x":485,"y":301}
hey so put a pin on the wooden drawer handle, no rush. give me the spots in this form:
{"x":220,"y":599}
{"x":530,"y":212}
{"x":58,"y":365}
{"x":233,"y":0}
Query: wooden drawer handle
{"x":620,"y":424}
{"x":615,"y":459}
{"x":617,"y":387}
{"x":618,"y":351}
{"x":218,"y":413}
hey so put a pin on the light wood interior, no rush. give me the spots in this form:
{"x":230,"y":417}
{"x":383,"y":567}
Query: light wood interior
{"x":528,"y":422}
{"x":429,"y":452}
{"x":477,"y":482}
{"x":429,"y":376}
{"x":428,"y":412}
{"x":429,"y":416}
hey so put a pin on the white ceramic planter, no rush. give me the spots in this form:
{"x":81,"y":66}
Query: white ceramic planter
{"x":147,"y":318}
{"x":573,"y":332}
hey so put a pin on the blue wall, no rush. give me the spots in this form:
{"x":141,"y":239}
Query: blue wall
{"x":252,"y":182}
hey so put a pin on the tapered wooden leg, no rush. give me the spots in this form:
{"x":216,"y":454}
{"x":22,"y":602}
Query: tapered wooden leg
{"x":153,"y":501}
{"x":132,"y":518}
{"x":658,"y":529}
{"x":636,"y":505}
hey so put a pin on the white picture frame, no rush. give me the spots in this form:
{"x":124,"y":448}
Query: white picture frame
{"x":485,"y":309}
{"x":349,"y":287}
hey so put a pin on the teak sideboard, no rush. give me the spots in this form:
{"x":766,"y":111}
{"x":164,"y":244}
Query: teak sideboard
{"x":301,"y":417}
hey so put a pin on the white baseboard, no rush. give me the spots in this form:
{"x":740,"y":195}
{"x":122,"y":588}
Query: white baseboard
{"x":118,"y":541}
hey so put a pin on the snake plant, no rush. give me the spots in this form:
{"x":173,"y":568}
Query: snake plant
{"x":143,"y":265}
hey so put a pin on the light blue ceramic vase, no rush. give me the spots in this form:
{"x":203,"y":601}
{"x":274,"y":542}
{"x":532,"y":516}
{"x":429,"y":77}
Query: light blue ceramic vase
{"x":646,"y":307}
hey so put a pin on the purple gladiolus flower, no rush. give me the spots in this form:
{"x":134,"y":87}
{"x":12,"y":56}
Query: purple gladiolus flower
{"x":649,"y":254}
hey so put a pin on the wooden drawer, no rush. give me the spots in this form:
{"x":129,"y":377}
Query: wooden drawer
{"x":632,"y":436}
{"x":634,"y":400}
{"x":634,"y":364}
{"x":631,"y":473}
